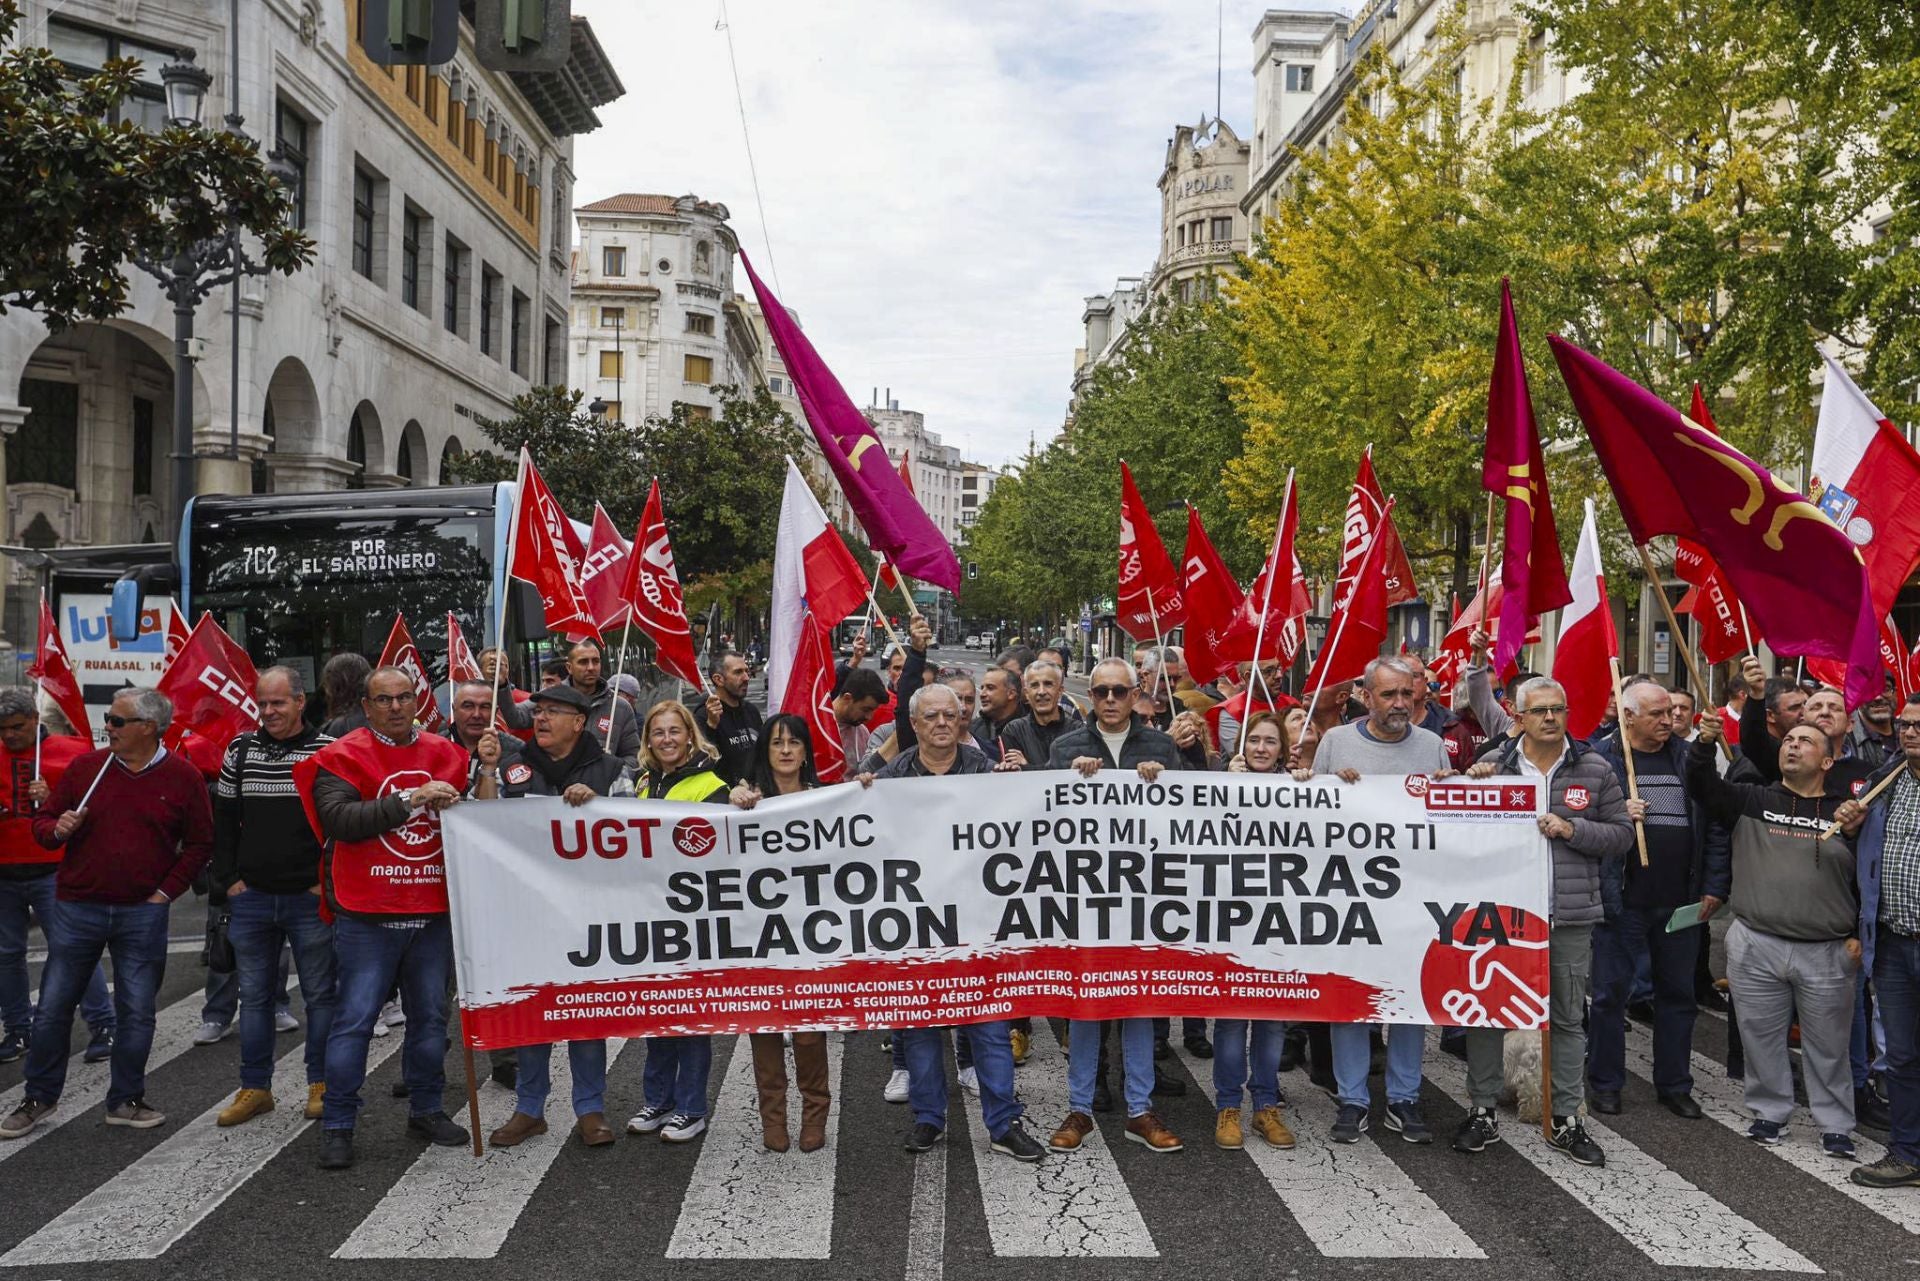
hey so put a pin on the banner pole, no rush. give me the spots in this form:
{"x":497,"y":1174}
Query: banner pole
{"x":473,"y":1093}
{"x":620,"y":669}
{"x":1626,"y":754}
{"x":506,"y":584}
{"x":1486,"y":560}
{"x":1679,"y":637}
{"x":1159,"y":645}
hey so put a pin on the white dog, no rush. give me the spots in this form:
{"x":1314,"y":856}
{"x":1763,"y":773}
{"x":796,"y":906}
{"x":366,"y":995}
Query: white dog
{"x":1521,"y":1069}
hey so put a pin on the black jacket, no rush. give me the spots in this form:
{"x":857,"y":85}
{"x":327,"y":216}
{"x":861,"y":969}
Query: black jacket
{"x":970,"y":760}
{"x":1711,"y":869}
{"x":1763,"y":749}
{"x":1143,"y":743}
{"x":1035,"y":741}
{"x":590,"y":764}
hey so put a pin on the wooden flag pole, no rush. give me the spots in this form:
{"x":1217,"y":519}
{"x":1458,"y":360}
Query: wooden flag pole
{"x":1833,"y":829}
{"x":1159,"y":646}
{"x":882,"y":615}
{"x":1486,"y":559}
{"x":473,"y":1094}
{"x":1679,"y":637}
{"x":1626,"y":754}
{"x":619,"y":670}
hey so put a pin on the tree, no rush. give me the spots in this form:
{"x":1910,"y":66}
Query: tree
{"x":583,"y":457}
{"x":87,"y":197}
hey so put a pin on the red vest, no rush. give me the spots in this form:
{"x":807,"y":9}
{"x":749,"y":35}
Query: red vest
{"x":400,"y":872}
{"x":57,"y":751}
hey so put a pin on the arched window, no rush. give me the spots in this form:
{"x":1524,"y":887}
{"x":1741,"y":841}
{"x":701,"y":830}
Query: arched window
{"x":262,"y":472}
{"x":450,"y":454}
{"x":357,"y":452}
{"x":403,"y":465}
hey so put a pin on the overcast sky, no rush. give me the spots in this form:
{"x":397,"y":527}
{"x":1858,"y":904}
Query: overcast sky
{"x":945,"y":182}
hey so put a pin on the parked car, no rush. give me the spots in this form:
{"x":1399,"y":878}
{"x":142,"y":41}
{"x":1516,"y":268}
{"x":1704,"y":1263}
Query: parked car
{"x":976,"y":642}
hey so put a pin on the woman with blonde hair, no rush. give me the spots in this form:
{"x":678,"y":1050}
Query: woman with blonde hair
{"x":677,"y":764}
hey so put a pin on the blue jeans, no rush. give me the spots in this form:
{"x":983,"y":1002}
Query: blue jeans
{"x":1237,"y":1072}
{"x":1353,"y":1057}
{"x":588,"y":1062}
{"x":263,"y":925}
{"x":992,"y":1061}
{"x":1136,"y":1063}
{"x":1673,"y":1004}
{"x":16,"y":995}
{"x":676,"y":1073}
{"x":135,"y":935}
{"x":1163,"y":1028}
{"x":1896,"y":983}
{"x":370,"y":958}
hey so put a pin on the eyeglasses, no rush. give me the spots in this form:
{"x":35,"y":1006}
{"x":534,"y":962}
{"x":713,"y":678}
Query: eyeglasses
{"x":1555,"y":709}
{"x":1905,"y":726}
{"x":121,"y":722}
{"x":391,"y":700}
{"x":1111,"y":691}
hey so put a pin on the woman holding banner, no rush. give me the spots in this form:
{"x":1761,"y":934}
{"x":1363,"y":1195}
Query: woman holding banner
{"x":676,"y":764}
{"x":1237,"y":1069}
{"x":782,"y":765}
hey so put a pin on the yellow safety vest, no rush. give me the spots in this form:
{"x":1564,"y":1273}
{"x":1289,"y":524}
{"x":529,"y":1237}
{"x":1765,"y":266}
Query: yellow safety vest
{"x":695,"y":787}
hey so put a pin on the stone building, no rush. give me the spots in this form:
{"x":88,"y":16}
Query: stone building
{"x":1201,"y":223}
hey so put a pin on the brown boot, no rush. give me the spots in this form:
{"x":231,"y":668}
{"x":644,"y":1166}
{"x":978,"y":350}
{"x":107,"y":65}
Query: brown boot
{"x":593,"y":1129}
{"x":816,"y":1098}
{"x":518,"y":1129}
{"x":770,"y":1081}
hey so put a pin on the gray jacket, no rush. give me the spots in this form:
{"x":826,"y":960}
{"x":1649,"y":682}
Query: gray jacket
{"x":1602,"y":832}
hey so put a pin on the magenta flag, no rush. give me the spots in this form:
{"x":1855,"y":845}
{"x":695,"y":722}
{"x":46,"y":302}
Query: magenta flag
{"x":896,"y":525}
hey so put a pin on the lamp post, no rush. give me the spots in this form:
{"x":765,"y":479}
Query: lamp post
{"x":195,"y":270}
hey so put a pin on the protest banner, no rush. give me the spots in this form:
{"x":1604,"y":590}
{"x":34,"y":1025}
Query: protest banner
{"x":936,"y":901}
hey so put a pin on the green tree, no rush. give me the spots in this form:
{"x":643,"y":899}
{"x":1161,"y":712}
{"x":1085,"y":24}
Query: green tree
{"x":583,"y":457}
{"x":88,"y":197}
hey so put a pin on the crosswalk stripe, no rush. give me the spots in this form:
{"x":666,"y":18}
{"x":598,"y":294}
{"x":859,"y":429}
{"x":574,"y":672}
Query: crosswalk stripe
{"x":1351,"y":1199}
{"x":927,"y":1217}
{"x":87,"y":1083}
{"x":1069,"y":1205}
{"x":1725,"y":1101}
{"x":450,"y":1206}
{"x":745,"y":1202}
{"x":1668,"y":1219}
{"x":157,"y":1200}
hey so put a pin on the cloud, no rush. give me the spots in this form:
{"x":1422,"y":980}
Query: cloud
{"x":945,"y":183}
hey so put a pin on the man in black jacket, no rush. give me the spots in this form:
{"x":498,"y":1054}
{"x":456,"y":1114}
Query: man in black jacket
{"x":732,"y":723}
{"x":267,"y":860}
{"x":1028,"y":741}
{"x":606,"y":711}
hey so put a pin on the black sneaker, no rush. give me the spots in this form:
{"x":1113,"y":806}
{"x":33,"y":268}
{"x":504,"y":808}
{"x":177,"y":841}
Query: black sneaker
{"x":1571,"y":1137}
{"x":1199,"y":1046}
{"x":505,"y":1074}
{"x":336,"y":1149}
{"x":1102,"y":1094}
{"x":401,"y":1090}
{"x":438,"y":1129}
{"x":1161,"y":1050}
{"x":1406,"y":1120}
{"x":1888,"y":1172}
{"x":1871,"y":1111}
{"x":1322,"y":1079}
{"x":1350,"y":1124}
{"x":924,"y":1136}
{"x":16,"y":1044}
{"x":1016,"y":1143}
{"x":1480,"y":1130}
{"x":99,"y":1046}
{"x":1170,"y":1086}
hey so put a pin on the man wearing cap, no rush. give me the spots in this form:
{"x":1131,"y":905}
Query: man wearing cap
{"x":611,"y":718}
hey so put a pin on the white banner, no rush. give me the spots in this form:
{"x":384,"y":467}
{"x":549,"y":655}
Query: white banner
{"x":929,"y":902}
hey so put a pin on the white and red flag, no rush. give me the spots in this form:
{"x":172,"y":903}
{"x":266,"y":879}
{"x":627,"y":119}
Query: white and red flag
{"x":210,"y":684}
{"x":652,"y":590}
{"x":51,"y":671}
{"x":809,"y":695}
{"x":603,"y":572}
{"x":1149,"y":603}
{"x":812,"y":571}
{"x":177,"y":632}
{"x":546,"y":552}
{"x":462,"y":666}
{"x":1583,"y":660}
{"x":1866,"y":478}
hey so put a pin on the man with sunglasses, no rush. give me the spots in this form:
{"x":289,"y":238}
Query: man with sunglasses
{"x":1586,"y":824}
{"x":138,"y":828}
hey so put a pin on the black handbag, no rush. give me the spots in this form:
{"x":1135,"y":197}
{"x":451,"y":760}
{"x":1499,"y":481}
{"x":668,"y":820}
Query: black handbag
{"x":217,"y":953}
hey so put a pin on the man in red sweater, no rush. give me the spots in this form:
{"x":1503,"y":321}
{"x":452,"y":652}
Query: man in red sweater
{"x":138,"y":828}
{"x":31,"y":762}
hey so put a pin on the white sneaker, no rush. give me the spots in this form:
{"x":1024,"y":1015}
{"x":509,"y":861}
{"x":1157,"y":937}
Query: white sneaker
{"x":392,"y":1014}
{"x":211,"y":1032}
{"x":896,"y":1091}
{"x":379,"y":1028}
{"x":681,"y":1128}
{"x":970,"y":1080}
{"x":283,"y":1021}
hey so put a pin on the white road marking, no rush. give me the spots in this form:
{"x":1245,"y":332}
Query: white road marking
{"x":745,"y":1202}
{"x":1665,"y":1217}
{"x":927,"y":1217}
{"x":450,"y":1206}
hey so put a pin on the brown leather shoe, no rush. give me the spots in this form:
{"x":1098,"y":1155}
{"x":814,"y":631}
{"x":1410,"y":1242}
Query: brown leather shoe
{"x":774,"y":1134}
{"x":518,"y":1129}
{"x":813,"y":1136}
{"x":1072,"y":1132}
{"x":594,"y":1130}
{"x":1149,"y":1130}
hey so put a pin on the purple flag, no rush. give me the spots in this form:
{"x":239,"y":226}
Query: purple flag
{"x":895,"y":523}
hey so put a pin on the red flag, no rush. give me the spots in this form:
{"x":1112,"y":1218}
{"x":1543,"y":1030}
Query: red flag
{"x":1355,"y":634}
{"x":906,"y":472}
{"x":1690,"y":560}
{"x":176,"y":630}
{"x":401,"y":652}
{"x":812,"y":570}
{"x":546,"y":553}
{"x":1284,"y":608}
{"x":1799,"y":577}
{"x":1530,"y":567}
{"x":1149,"y":603}
{"x":1724,"y":632}
{"x":1364,"y":507}
{"x":652,"y":588}
{"x":1893,"y":656}
{"x":54,"y":674}
{"x":809,"y":695}
{"x":462,"y":666}
{"x":1213,"y":598}
{"x":887,"y":577}
{"x":604,"y":571}
{"x":211,"y":687}
{"x":1583,"y":659}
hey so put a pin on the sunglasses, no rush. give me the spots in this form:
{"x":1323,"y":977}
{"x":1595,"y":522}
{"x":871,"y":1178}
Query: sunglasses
{"x":121,"y":722}
{"x":1111,"y":691}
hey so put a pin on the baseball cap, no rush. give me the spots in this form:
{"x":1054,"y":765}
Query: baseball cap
{"x":625,"y":684}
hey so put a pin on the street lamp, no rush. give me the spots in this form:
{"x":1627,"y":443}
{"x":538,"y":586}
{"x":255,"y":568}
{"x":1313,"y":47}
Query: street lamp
{"x":185,"y":86}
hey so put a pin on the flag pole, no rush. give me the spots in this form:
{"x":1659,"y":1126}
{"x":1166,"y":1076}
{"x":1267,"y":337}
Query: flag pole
{"x":1746,"y":632}
{"x":1159,"y":645}
{"x":506,"y":583}
{"x":1626,"y":753}
{"x":619,"y":670}
{"x":881,"y":614}
{"x":1679,"y":637}
{"x":1266,"y":597}
{"x":1486,"y":558}
{"x":1333,"y":641}
{"x":37,"y":692}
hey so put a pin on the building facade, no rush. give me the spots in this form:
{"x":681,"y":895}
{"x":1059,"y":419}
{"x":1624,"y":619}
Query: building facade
{"x":1202,"y":227}
{"x":936,"y":467}
{"x":656,"y":321}
{"x":1106,"y":319}
{"x":438,"y":292}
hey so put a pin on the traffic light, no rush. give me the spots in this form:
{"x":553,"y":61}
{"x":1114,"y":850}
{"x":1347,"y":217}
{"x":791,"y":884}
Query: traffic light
{"x":523,"y":35}
{"x":410,"y":33}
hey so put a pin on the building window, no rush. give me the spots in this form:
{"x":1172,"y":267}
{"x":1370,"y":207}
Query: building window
{"x":453,"y":118}
{"x":142,"y":445}
{"x":453,"y":282}
{"x":703,"y":413}
{"x":450,"y":454}
{"x":699,"y":369}
{"x":415,"y":75}
{"x":1536,"y":59}
{"x":699,"y":323}
{"x":1223,"y":229}
{"x":1180,"y":236}
{"x":613,"y":261}
{"x":612,"y":317}
{"x":410,"y":259}
{"x":403,"y":464}
{"x":703,"y":257}
{"x":1299,"y":78}
{"x":363,"y":184}
{"x":473,"y":133}
{"x":612,"y":413}
{"x":559,"y":216}
{"x":489,"y":309}
{"x":517,"y":333}
{"x":611,"y":364}
{"x":357,"y":452}
{"x":433,"y":100}
{"x":42,"y":451}
{"x":775,"y":386}
{"x":290,"y":133}
{"x":85,"y":51}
